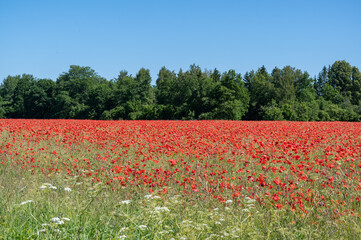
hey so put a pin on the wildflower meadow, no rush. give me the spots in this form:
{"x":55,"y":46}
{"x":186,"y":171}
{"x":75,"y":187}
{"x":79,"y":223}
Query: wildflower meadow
{"x":82,"y":179}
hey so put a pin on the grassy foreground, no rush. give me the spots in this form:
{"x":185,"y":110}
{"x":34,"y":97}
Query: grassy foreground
{"x":64,"y":185}
{"x":38,"y":207}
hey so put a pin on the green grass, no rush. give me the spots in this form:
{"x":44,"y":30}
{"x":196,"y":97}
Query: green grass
{"x":97,"y":212}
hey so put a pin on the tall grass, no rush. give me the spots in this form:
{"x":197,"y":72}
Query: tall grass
{"x":35,"y":206}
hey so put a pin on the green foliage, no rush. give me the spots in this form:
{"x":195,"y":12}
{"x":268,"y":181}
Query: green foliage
{"x":272,"y":112}
{"x":284,"y":94}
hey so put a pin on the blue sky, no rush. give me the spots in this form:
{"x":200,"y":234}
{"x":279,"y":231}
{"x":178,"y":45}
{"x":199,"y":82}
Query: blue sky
{"x":43,"y":37}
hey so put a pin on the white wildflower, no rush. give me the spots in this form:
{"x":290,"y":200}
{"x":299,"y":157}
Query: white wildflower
{"x":142,"y":227}
{"x":28,"y":201}
{"x":125,"y":201}
{"x":67,"y":189}
{"x":122,"y":237}
{"x":43,"y":187}
{"x":57,"y":221}
{"x":229,"y":201}
{"x":149,"y":197}
{"x":161,"y":209}
{"x":123,"y":229}
{"x":53,"y":187}
{"x":219,"y":223}
{"x":65,"y":218}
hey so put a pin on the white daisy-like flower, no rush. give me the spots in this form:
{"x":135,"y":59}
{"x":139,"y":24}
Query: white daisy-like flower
{"x":229,"y":201}
{"x":126,"y":201}
{"x":67,"y":189}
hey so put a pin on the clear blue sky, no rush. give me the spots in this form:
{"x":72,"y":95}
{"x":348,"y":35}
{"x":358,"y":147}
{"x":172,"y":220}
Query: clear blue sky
{"x":45,"y":37}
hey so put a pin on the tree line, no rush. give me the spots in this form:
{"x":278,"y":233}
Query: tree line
{"x":282,"y":94}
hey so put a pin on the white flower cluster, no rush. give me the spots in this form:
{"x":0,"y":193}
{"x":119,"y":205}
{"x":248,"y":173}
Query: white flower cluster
{"x":59,"y":221}
{"x":126,"y":201}
{"x":55,"y":221}
{"x":150,"y":197}
{"x":161,"y":209}
{"x":50,"y":186}
{"x":142,"y":227}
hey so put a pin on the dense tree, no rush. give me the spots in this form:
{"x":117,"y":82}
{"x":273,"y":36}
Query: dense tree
{"x":261,"y":90}
{"x":23,"y":86}
{"x":283,"y":94}
{"x":321,"y":81}
{"x":39,"y":99}
{"x":284,"y":82}
{"x":356,"y":86}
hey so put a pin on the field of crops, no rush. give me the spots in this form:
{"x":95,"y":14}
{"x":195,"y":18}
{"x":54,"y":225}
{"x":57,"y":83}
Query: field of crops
{"x":66,"y":179}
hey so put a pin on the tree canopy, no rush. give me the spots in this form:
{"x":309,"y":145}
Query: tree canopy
{"x":281,"y":94}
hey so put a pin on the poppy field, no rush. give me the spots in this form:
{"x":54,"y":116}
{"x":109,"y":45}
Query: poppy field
{"x":67,"y":179}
